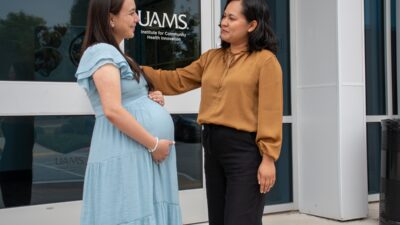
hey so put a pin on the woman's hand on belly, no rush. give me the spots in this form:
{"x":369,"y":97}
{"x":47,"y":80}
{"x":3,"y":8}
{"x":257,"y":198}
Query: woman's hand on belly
{"x":157,"y":96}
{"x":162,"y":150}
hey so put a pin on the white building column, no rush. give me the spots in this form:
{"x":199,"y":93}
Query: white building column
{"x":330,"y":108}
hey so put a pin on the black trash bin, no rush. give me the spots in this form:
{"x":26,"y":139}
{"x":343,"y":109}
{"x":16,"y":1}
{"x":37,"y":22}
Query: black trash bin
{"x":389,"y":208}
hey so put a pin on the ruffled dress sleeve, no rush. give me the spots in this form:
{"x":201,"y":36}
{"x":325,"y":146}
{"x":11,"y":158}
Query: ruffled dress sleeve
{"x":97,"y":56}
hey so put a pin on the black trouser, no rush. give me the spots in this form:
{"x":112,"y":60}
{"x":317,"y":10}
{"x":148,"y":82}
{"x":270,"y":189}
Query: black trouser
{"x":231,"y":164}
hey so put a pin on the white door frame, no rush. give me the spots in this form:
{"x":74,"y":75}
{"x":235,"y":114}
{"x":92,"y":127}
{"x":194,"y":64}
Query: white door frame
{"x":194,"y":202}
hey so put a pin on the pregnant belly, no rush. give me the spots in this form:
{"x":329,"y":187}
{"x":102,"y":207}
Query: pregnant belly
{"x":155,"y":119}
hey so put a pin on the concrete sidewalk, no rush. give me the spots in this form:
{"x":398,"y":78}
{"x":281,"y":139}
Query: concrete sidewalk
{"x":296,"y":218}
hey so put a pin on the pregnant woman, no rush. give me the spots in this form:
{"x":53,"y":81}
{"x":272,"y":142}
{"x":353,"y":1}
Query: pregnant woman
{"x":131,"y":175}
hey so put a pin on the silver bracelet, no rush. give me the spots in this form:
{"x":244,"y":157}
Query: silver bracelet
{"x":155,"y":147}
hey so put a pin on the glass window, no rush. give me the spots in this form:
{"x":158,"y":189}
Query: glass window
{"x":376,"y":49}
{"x":169,"y":33}
{"x":40,"y":40}
{"x":43,"y":158}
{"x":395,"y":79}
{"x":189,"y":151}
{"x":374,"y":156}
{"x":375,"y":57}
{"x":280,"y":17}
{"x":283,"y":188}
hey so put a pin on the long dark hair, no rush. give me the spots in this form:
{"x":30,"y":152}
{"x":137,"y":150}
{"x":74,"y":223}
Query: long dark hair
{"x":98,"y":30}
{"x":262,"y":37}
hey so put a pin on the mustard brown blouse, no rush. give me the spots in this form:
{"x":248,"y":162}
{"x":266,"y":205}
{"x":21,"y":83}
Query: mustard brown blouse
{"x":241,"y":91}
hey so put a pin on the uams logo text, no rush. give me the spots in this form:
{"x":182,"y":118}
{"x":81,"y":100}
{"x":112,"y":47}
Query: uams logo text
{"x":152,"y":19}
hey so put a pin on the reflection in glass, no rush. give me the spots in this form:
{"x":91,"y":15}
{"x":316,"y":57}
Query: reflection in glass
{"x":43,"y":158}
{"x":169,"y":33}
{"x":188,"y":151}
{"x":16,"y":160}
{"x":375,"y":57}
{"x":40,"y":40}
{"x":374,"y":157}
{"x":56,"y":52}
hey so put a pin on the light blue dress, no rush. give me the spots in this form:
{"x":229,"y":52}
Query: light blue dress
{"x":122,"y":183}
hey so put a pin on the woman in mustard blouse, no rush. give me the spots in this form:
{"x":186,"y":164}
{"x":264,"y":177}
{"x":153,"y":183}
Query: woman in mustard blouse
{"x":240,"y":110}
